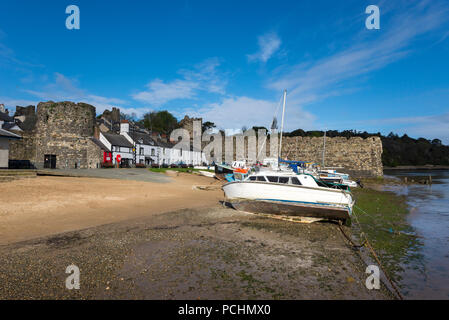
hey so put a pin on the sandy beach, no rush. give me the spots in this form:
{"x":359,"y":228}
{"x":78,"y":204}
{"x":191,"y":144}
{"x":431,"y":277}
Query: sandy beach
{"x":164,"y":240}
{"x":45,"y":205}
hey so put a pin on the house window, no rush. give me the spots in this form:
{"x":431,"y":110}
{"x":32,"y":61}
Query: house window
{"x":141,"y":151}
{"x":152,"y":152}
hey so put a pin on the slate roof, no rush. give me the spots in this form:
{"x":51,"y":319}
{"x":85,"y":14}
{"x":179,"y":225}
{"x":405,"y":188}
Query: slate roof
{"x":29,"y":124}
{"x":9,"y":135}
{"x":5,"y":117}
{"x":117,"y":140}
{"x":100,"y":144}
{"x":142,"y":138}
{"x":150,"y":140}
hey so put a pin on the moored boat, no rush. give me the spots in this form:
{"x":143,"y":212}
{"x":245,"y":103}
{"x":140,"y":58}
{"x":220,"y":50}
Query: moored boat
{"x":221,"y":170}
{"x":288,"y":193}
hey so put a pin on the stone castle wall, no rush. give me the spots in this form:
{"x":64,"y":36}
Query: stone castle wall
{"x":357,"y":156}
{"x":63,"y":129}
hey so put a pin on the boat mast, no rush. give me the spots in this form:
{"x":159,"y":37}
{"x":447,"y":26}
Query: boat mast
{"x":324,"y":147}
{"x":282,"y":125}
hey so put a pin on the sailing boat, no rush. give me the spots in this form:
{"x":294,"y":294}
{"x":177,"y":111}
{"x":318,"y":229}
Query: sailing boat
{"x":289,"y":193}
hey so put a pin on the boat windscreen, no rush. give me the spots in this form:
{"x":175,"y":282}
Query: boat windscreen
{"x":283,"y":179}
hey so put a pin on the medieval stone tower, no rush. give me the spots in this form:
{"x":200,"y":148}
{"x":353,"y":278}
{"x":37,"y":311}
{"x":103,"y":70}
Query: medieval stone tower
{"x":58,"y":135}
{"x":62,"y":133}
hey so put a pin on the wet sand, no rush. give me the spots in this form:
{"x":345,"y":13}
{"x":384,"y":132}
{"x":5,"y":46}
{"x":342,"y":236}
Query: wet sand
{"x":208,"y":253}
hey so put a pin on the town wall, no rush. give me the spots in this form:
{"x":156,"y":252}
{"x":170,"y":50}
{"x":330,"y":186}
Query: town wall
{"x":356,"y":156}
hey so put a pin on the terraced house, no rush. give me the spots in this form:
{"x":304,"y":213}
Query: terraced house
{"x":67,"y":135}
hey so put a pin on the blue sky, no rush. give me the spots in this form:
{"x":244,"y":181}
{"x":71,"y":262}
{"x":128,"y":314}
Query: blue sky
{"x":229,"y":61}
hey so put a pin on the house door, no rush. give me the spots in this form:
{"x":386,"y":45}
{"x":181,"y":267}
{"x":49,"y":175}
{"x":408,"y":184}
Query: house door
{"x":50,"y":161}
{"x":124,"y":163}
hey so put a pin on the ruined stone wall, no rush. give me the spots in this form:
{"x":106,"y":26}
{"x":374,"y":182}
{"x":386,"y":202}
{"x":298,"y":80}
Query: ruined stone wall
{"x":357,"y":156}
{"x":63,"y":129}
{"x":187,"y":123}
{"x":25,"y":148}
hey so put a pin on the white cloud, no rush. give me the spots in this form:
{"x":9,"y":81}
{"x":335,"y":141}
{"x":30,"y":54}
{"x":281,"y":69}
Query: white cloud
{"x":429,"y":127}
{"x":311,"y":81}
{"x":11,"y":104}
{"x":233,"y":113}
{"x":203,"y":77}
{"x":158,"y":92}
{"x":67,"y":89}
{"x":269,"y":43}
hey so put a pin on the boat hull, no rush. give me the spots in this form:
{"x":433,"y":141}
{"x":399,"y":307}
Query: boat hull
{"x":292,"y":209}
{"x":264,"y":197}
{"x":221,"y":171}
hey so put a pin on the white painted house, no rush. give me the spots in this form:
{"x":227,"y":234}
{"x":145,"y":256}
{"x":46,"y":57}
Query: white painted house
{"x":147,"y":149}
{"x":151,"y":149}
{"x":118,"y":145}
{"x":5,"y":137}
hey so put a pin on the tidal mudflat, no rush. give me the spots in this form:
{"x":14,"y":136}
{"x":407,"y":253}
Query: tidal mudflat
{"x":208,"y":253}
{"x":140,"y":239}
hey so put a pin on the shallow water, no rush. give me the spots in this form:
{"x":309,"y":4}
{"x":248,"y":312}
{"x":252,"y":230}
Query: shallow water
{"x":430,"y":218}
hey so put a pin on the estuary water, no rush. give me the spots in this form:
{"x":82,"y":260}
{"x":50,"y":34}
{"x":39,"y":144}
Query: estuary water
{"x":429,"y":217}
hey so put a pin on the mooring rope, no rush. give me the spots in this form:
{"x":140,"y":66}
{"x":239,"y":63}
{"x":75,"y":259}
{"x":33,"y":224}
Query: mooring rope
{"x":367,"y":244}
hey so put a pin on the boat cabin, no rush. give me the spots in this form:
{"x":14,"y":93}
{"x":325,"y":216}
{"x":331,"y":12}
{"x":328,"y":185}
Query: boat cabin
{"x":292,"y":178}
{"x":284,"y":178}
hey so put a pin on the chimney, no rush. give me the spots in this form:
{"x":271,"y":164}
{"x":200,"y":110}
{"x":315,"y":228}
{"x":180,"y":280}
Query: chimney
{"x":97,"y":132}
{"x":124,"y":126}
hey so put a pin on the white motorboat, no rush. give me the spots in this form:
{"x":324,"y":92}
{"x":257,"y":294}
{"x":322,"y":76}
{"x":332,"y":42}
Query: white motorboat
{"x":288,"y":193}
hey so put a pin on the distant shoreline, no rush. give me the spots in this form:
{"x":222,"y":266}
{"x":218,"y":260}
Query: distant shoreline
{"x":425,"y":167}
